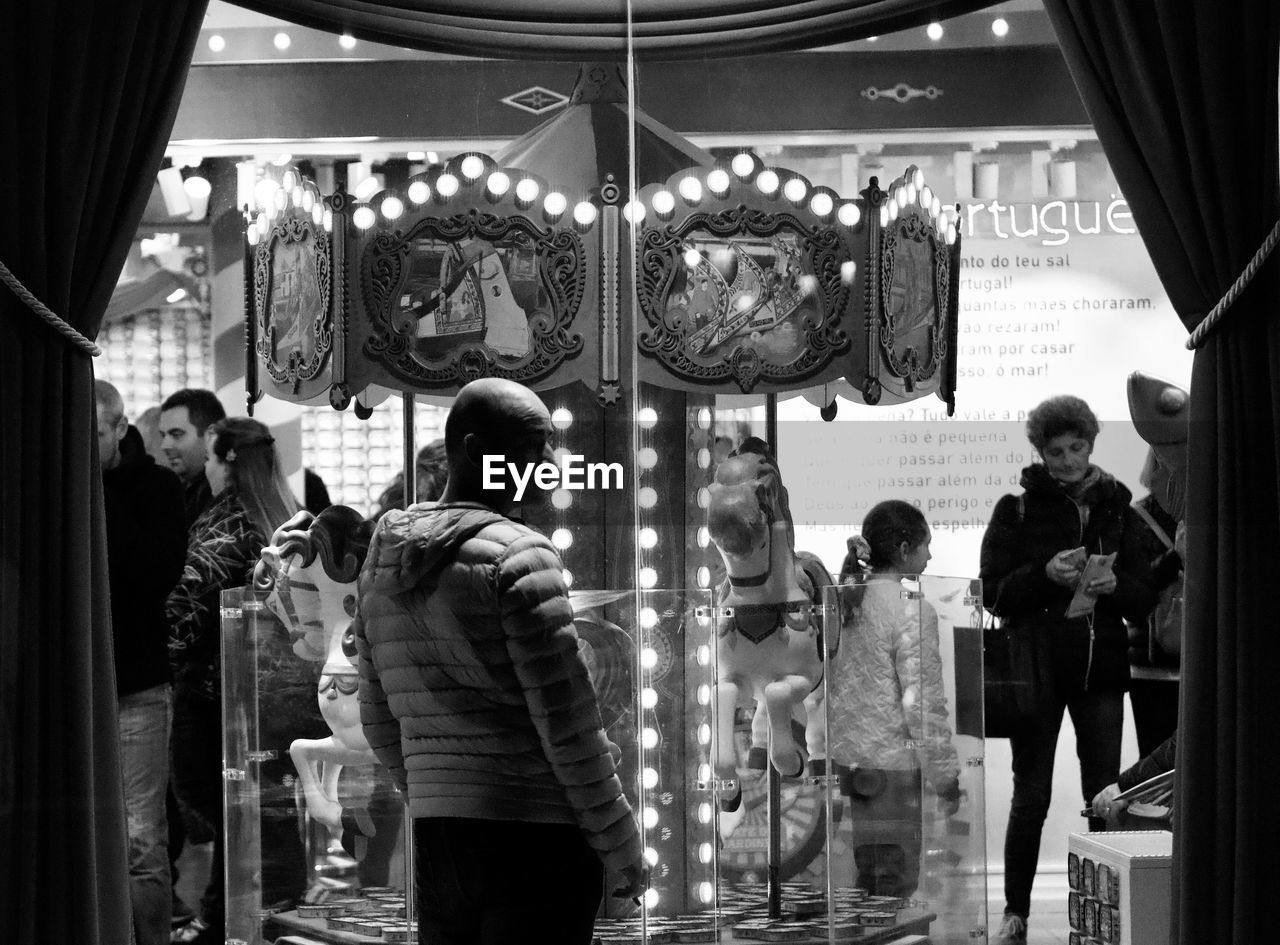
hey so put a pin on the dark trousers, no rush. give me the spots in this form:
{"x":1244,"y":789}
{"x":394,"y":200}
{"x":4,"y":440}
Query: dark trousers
{"x":493,"y":882}
{"x":1098,"y":718}
{"x":885,"y":812}
{"x":196,"y":776}
{"x":1155,"y":711}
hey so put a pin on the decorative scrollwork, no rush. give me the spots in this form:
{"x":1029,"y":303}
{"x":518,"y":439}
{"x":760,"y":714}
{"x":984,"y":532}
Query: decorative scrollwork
{"x":293,"y":293}
{"x":561,"y":273}
{"x":670,"y":334}
{"x":906,"y":302}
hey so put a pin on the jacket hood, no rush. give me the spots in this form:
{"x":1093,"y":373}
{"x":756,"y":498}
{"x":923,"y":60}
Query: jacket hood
{"x":409,"y":544}
{"x":1036,"y":478}
{"x":133,"y":456}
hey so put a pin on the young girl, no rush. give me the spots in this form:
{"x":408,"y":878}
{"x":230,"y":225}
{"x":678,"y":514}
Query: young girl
{"x":889,"y":726}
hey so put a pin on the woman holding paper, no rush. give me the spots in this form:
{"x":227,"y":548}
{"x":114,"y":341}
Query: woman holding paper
{"x":1064,"y":561}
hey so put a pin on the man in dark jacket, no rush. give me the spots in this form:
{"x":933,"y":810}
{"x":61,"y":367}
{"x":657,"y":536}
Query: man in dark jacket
{"x":146,"y":547}
{"x":185,"y":415}
{"x":474,"y":696}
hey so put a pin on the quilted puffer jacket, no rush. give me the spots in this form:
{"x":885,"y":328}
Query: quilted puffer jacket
{"x":472,"y":690}
{"x":888,"y":704}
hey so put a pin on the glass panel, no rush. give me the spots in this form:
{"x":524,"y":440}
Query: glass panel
{"x":904,"y":755}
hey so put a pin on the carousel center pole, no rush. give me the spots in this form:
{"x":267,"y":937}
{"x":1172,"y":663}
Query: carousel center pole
{"x":774,"y":788}
{"x":410,"y":497}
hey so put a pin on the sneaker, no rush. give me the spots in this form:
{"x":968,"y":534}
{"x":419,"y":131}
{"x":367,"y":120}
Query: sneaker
{"x":1013,"y":931}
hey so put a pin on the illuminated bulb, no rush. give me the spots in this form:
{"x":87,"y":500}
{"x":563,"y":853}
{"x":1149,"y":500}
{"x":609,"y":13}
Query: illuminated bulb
{"x":718,"y":182}
{"x":647,"y":497}
{"x":767,"y":182}
{"x":281,"y":41}
{"x":651,"y":898}
{"x":318,"y":213}
{"x":848,"y":269}
{"x":704,"y":655}
{"x":364,"y":217}
{"x":742,"y":164}
{"x":808,"y":284}
{"x":648,"y":577}
{"x":704,"y":498}
{"x":263,"y":223}
{"x":704,"y":813}
{"x":562,"y":418}
{"x":893,"y":210}
{"x":392,"y":207}
{"x":649,"y":777}
{"x":296,"y":195}
{"x":704,"y":694}
{"x":289,"y":181}
{"x":472,"y":167}
{"x":648,"y":658}
{"x":704,"y":774}
{"x":821,"y":204}
{"x":252,"y":234}
{"x":366,"y":188}
{"x":647,"y":457}
{"x":584,"y":214}
{"x":849,"y":214}
{"x":647,"y":417}
{"x":498,"y":183}
{"x":648,"y":618}
{"x":910,"y":195}
{"x":692,"y":257}
{"x":745,"y":302}
{"x":706,"y":892}
{"x":934,"y":31}
{"x":704,"y":419}
{"x":917,"y":178}
{"x":650,"y":817}
{"x":308,"y":201}
{"x":527,"y":190}
{"x":568,"y":577}
{"x":704,"y":458}
{"x":263,"y":192}
{"x":634,"y":211}
{"x":1000,"y":26}
{"x":279,"y":199}
{"x":935,"y":208}
{"x":217,"y":43}
{"x":795,"y":190}
{"x":704,"y":734}
{"x":926,"y":196}
{"x":648,"y":537}
{"x":561,"y":499}
{"x":419,"y":192}
{"x":447,"y":185}
{"x":900,"y":198}
{"x":884,"y":215}
{"x":560,"y":455}
{"x":691,"y":189}
{"x":562,"y":538}
{"x":704,"y":576}
{"x":347,"y":41}
{"x":649,"y":738}
{"x":663,"y":203}
{"x":951,"y":233}
{"x":554,"y":204}
{"x":327,"y":220}
{"x":704,"y":853}
{"x":651,"y":856}
{"x":704,"y":536}
{"x":649,"y":696}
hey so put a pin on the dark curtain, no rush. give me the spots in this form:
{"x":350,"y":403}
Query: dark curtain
{"x":597,"y":29}
{"x":1183,"y":96}
{"x":90,"y":92}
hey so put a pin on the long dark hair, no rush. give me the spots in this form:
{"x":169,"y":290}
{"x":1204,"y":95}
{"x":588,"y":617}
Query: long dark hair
{"x":255,"y":473}
{"x":884,"y":529}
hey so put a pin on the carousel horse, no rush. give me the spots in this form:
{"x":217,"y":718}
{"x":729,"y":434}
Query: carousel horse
{"x":768,"y":641}
{"x":307,"y":577}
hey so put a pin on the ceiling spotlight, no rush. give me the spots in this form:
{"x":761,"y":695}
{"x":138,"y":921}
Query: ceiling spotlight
{"x":281,"y":41}
{"x":1000,"y":26}
{"x":934,"y":31}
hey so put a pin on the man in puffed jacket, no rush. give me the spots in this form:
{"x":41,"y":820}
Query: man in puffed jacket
{"x":475,"y":698}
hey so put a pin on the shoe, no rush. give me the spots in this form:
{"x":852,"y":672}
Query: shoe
{"x":1013,"y":931}
{"x":185,"y":934}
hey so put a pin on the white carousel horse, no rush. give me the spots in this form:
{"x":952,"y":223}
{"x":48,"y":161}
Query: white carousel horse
{"x":308,"y":577}
{"x":768,"y":642}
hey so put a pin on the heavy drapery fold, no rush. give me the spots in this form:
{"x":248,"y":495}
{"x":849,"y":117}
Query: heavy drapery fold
{"x":91,"y":91}
{"x":1183,"y":96}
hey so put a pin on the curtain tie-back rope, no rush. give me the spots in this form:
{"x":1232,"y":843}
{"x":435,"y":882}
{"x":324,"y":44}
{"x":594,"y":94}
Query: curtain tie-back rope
{"x":1211,"y":320}
{"x":33,"y":303}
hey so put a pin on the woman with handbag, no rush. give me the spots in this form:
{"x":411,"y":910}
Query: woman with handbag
{"x":1035,"y":553}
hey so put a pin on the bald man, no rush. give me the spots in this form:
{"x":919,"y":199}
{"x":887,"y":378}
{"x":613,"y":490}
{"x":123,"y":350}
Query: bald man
{"x":475,"y":698}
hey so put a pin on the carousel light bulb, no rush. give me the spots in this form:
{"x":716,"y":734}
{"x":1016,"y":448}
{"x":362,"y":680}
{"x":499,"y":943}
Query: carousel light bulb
{"x":951,"y":233}
{"x":704,"y":655}
{"x":718,"y":182}
{"x":527,"y":190}
{"x":562,"y":538}
{"x":647,"y":497}
{"x":648,"y":658}
{"x":704,"y":772}
{"x":1000,"y":27}
{"x":704,"y":734}
{"x":706,"y":892}
{"x":217,"y":43}
{"x":884,"y":215}
{"x":911,"y":195}
{"x":650,"y":817}
{"x":251,"y":234}
{"x":472,"y":166}
{"x":554,"y":204}
{"x":704,"y":813}
{"x":849,"y":214}
{"x":561,"y":499}
{"x":419,"y":192}
{"x":795,"y":190}
{"x":691,"y":189}
{"x":651,"y":898}
{"x":704,"y":536}
{"x":704,"y":458}
{"x":649,"y":695}
{"x":704,"y":576}
{"x":917,"y":178}
{"x":308,"y":201}
{"x":704,"y":418}
{"x":584,"y":213}
{"x":893,"y":210}
{"x":347,"y":41}
{"x":704,"y":853}
{"x":651,"y":856}
{"x":648,"y":577}
{"x":366,"y":188}
{"x":649,"y":738}
{"x":568,"y":578}
{"x":327,"y":220}
{"x":289,"y":181}
{"x":278,"y":199}
{"x":562,"y":418}
{"x":498,"y":183}
{"x":742,"y":164}
{"x":767,"y":182}
{"x":664,"y":202}
{"x":648,"y":618}
{"x":926,"y":196}
{"x":900,"y":198}
{"x":647,"y":417}
{"x":392,"y":207}
{"x":263,"y":223}
{"x":647,"y":457}
{"x":364,"y":217}
{"x":649,"y":777}
{"x":447,"y":185}
{"x":281,"y":41}
{"x":934,"y":31}
{"x":692,"y":257}
{"x":848,"y":269}
{"x":935,"y":207}
{"x":634,"y":211}
{"x":821,"y":204}
{"x":560,"y":455}
{"x":317,"y":213}
{"x":704,"y":694}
